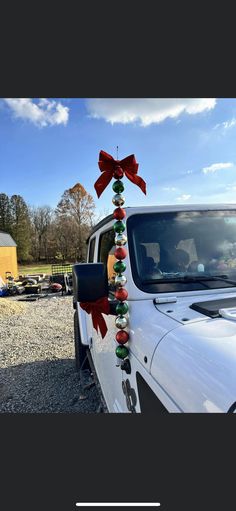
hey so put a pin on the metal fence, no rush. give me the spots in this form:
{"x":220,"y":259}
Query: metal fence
{"x":59,"y":269}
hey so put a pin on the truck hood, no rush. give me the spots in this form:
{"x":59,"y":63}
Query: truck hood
{"x":149,"y":323}
{"x":195,"y":361}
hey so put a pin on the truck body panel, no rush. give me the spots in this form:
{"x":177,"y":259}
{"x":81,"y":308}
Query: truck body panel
{"x":177,"y":354}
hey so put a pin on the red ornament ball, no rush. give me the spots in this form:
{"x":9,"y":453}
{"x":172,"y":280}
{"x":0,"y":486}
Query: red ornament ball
{"x":120,"y":253}
{"x":119,"y":213}
{"x":121,"y":294}
{"x":118,"y":172}
{"x":122,"y":337}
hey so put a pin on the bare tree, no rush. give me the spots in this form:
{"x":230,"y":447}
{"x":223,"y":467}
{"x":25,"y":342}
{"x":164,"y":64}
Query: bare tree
{"x":102,"y":214}
{"x":77,"y":204}
{"x":41,"y":218}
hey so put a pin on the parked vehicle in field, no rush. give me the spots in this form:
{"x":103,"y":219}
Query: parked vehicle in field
{"x":181,"y":283}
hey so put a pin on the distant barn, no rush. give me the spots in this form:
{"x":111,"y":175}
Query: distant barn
{"x":8,"y":257}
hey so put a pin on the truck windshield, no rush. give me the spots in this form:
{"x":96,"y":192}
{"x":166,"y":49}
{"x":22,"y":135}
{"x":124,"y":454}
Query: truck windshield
{"x":186,"y":250}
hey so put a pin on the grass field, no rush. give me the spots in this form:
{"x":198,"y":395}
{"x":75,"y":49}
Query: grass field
{"x":35,"y":268}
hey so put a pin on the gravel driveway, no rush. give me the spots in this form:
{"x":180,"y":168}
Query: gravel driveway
{"x":37,"y":366}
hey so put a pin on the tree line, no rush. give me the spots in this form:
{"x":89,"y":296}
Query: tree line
{"x":46,"y":234}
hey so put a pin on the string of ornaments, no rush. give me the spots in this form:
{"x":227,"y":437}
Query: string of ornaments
{"x":116,"y":169}
{"x":119,"y":267}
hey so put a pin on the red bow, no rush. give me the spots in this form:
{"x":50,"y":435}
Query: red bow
{"x":96,"y":309}
{"x":107,"y":165}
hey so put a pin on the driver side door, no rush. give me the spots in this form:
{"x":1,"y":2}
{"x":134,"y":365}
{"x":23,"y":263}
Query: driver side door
{"x":103,"y":350}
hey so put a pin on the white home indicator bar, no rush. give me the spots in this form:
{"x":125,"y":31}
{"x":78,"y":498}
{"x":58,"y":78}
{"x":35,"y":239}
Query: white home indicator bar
{"x":117,"y":504}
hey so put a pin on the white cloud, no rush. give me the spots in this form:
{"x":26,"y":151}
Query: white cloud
{"x":216,"y":166}
{"x":231,"y":187}
{"x":189,"y":172}
{"x":183,"y":197}
{"x":146,"y":111}
{"x":42,"y":112}
{"x":226,"y":125}
{"x":169,"y":189}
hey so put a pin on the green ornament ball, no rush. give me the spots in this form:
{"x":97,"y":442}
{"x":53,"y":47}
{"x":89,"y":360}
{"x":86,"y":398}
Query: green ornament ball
{"x":119,"y":267}
{"x":119,"y":227}
{"x":122,"y":308}
{"x":118,"y":187}
{"x":122,"y":352}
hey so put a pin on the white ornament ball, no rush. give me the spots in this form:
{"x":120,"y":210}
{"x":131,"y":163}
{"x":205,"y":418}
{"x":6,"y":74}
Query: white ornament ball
{"x":120,"y":239}
{"x":118,"y":199}
{"x":121,"y":322}
{"x":120,"y":280}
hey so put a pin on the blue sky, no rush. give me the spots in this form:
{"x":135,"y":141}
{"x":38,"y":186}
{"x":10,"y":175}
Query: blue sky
{"x":185,"y":148}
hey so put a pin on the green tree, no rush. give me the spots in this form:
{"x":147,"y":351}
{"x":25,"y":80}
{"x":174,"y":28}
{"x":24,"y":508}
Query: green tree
{"x":5,"y":213}
{"x":20,"y":226}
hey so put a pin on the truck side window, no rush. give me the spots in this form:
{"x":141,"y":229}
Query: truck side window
{"x":106,"y":256}
{"x":91,"y":250}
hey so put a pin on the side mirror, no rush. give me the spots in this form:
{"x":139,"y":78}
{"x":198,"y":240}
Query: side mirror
{"x":89,"y":282}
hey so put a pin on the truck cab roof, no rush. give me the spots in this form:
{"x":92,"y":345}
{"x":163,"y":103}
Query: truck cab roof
{"x":134,"y":210}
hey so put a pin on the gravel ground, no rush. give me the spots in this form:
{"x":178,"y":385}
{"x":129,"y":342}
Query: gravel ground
{"x":37,"y":365}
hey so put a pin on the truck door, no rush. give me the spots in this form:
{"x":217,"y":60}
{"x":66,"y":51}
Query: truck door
{"x":103,"y":350}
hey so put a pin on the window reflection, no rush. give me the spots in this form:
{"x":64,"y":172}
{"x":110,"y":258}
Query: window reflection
{"x":183,"y":244}
{"x":106,"y":255}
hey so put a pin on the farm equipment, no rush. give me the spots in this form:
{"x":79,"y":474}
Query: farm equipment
{"x":13,"y":287}
{"x":32,"y":288}
{"x":62,"y":274}
{"x":37,"y":277}
{"x":18,"y":287}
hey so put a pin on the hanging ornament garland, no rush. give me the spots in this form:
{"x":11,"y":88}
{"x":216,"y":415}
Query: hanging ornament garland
{"x":116,"y":169}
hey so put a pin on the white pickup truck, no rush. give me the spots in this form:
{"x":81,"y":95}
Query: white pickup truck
{"x":181,"y":283}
